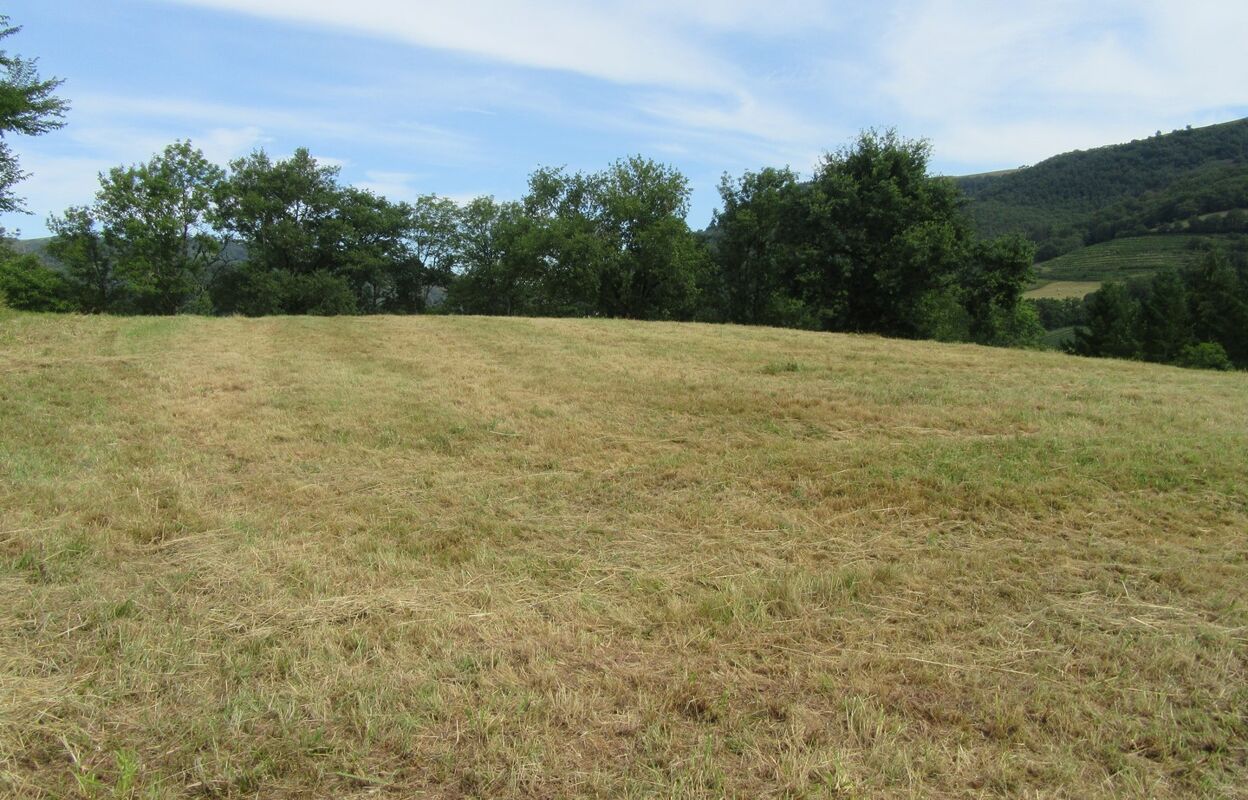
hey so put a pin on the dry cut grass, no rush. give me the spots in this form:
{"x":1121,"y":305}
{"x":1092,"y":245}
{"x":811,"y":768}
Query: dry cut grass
{"x":458,"y":557}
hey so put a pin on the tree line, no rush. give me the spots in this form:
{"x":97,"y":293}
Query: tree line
{"x":870,"y":243}
{"x":178,"y":234}
{"x":1193,"y":318}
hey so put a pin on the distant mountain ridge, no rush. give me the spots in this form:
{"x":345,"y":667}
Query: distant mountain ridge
{"x":37,"y":246}
{"x":233,"y":252}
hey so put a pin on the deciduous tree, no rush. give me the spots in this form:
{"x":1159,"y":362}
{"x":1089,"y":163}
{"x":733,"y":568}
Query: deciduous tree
{"x":28,"y":106}
{"x":156,"y":221}
{"x":78,"y":244}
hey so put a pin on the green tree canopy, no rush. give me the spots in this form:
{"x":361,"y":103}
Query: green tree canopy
{"x":156,"y":219}
{"x":872,"y":243}
{"x":90,"y":266}
{"x":1164,"y":324}
{"x":28,"y":106}
{"x":757,"y":242}
{"x":301,"y":229}
{"x":612,"y":243}
{"x":1110,"y":329}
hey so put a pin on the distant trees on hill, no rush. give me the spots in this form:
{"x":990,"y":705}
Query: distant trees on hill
{"x":871,"y":243}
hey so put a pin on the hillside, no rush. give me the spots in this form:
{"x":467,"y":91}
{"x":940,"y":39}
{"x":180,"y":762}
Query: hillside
{"x":233,"y":252}
{"x":452,"y":557}
{"x":37,"y":246}
{"x":1126,"y":258}
{"x":1083,"y":271}
{"x":1084,"y":197}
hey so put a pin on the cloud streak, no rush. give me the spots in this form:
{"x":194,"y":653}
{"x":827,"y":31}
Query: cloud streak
{"x":612,"y":42}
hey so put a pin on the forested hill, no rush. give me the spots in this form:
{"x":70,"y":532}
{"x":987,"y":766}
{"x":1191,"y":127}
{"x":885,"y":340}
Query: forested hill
{"x":1165,"y":183}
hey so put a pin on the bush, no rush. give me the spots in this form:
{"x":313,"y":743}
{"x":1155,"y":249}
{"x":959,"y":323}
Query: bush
{"x":942,"y":317}
{"x":248,"y":290}
{"x":1206,"y":355}
{"x":1014,"y":327}
{"x":319,"y":293}
{"x":28,"y":285}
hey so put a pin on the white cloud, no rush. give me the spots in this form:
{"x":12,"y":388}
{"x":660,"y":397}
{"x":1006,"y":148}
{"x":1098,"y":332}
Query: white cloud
{"x":990,"y":81}
{"x":662,"y":44}
{"x":392,"y":185}
{"x":221,"y":145}
{"x":744,"y":114}
{"x":57,"y":183}
{"x":774,"y":18}
{"x":996,"y":83}
{"x":108,"y":130}
{"x":323,"y":160}
{"x":609,"y":41}
{"x":59,"y":179}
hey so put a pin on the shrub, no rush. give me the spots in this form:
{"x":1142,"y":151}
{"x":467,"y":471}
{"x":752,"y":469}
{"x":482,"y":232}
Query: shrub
{"x":320,"y":293}
{"x":1206,"y":355}
{"x":28,"y":285}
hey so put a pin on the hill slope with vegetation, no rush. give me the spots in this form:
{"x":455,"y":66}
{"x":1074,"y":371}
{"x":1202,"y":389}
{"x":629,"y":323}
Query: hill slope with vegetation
{"x":296,"y":556}
{"x":1166,"y":183}
{"x":1121,"y":259}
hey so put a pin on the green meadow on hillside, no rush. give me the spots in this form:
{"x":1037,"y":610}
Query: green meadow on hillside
{"x":1120,"y":259}
{"x":459,"y":557}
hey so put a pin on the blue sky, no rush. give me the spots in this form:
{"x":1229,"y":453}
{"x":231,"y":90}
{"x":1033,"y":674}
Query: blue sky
{"x":467,"y":98}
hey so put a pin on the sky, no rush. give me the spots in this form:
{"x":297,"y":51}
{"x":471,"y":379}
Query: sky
{"x":466,"y":98}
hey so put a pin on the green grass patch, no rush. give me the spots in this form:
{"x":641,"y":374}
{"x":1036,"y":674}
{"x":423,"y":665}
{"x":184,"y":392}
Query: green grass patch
{"x":1120,"y":259}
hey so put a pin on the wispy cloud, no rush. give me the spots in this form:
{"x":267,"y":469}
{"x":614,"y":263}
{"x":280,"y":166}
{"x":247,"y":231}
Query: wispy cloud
{"x":670,"y":45}
{"x":109,"y":130}
{"x":616,"y":42}
{"x":172,"y":112}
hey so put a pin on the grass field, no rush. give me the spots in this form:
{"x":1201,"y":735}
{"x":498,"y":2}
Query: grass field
{"x":1063,"y":290}
{"x":466,"y":557}
{"x":1123,"y":258}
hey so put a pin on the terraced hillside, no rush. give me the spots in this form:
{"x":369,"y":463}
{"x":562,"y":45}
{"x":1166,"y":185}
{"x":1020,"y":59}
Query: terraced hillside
{"x":1125,"y":258}
{"x":467,"y":557}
